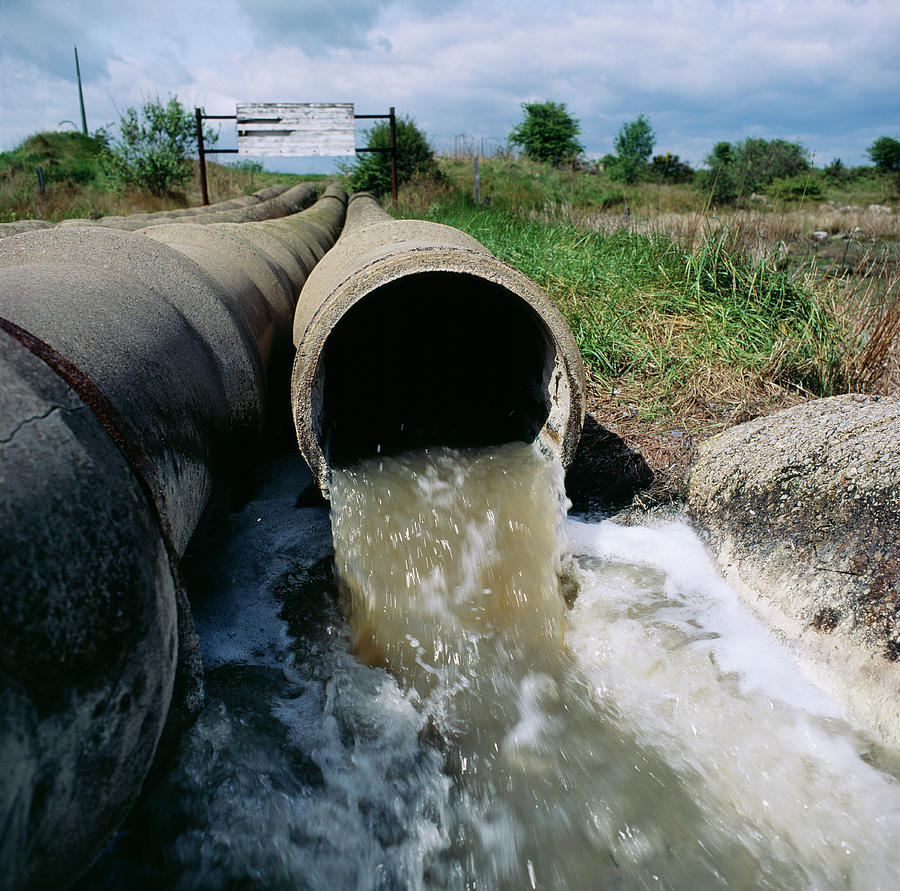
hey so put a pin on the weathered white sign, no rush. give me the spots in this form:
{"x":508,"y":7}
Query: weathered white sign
{"x":295,"y":128}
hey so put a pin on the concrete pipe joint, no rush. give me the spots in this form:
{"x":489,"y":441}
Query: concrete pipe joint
{"x":412,"y":334}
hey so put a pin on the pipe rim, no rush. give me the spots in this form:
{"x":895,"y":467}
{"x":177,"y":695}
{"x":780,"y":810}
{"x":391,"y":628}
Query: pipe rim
{"x":393,"y":262}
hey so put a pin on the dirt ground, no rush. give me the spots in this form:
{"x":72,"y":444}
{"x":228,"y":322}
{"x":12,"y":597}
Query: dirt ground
{"x":627,"y":459}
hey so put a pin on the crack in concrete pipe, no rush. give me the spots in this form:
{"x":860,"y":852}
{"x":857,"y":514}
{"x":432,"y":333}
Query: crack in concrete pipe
{"x":97,"y":504}
{"x":412,"y":333}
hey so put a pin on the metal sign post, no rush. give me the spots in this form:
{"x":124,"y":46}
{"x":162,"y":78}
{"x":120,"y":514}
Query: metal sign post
{"x":202,"y":152}
{"x":392,"y":149}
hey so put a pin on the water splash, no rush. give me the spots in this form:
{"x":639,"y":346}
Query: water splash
{"x":652,"y":735}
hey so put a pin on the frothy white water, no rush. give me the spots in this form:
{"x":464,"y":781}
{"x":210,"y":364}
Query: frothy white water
{"x":652,"y":735}
{"x":666,"y":644}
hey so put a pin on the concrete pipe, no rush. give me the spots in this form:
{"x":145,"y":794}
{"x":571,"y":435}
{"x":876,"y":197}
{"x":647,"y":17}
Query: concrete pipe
{"x":7,"y":229}
{"x":140,"y":220}
{"x":131,"y":389}
{"x":411,"y":333}
{"x":269,"y":203}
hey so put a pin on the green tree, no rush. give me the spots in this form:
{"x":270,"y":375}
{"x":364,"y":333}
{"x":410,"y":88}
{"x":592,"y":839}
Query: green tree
{"x":761,"y":162}
{"x":154,"y":144}
{"x":547,"y":133}
{"x":633,"y":144}
{"x":415,"y":158}
{"x":885,"y":154}
{"x":669,"y":168}
{"x":719,"y":183}
{"x":739,"y":169}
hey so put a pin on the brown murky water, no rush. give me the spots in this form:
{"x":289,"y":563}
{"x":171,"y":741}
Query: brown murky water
{"x":453,"y":566}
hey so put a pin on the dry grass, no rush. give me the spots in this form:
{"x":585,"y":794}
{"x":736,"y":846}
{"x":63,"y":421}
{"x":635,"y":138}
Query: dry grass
{"x":855,"y":273}
{"x":415,"y":197}
{"x":757,"y":232}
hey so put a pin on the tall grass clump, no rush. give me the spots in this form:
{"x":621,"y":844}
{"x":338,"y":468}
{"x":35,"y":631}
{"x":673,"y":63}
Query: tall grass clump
{"x":647,"y":309}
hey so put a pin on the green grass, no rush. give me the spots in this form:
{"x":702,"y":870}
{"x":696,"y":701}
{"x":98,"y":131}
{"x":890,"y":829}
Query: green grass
{"x":644,"y":308}
{"x":64,"y":155}
{"x":523,"y":185}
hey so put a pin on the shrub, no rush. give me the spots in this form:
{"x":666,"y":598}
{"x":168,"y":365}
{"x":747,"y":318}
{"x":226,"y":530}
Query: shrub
{"x":836,"y":170}
{"x":154,"y":145}
{"x":739,"y":169}
{"x":247,"y":165}
{"x":669,"y":168}
{"x":415,"y":158}
{"x":548,"y":133}
{"x":795,"y":188}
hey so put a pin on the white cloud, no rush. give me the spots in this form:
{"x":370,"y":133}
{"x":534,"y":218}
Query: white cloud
{"x":701,"y":70}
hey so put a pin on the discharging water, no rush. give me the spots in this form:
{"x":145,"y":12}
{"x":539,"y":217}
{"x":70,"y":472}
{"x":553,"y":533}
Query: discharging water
{"x":514,"y":700}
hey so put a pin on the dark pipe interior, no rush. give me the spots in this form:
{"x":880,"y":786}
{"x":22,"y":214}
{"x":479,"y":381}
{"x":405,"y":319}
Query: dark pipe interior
{"x":434,"y":358}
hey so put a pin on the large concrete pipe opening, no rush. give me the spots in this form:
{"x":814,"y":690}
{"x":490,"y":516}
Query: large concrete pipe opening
{"x":432,"y":358}
{"x":412,"y":334}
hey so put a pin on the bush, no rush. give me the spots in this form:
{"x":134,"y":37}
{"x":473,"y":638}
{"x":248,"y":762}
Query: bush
{"x":246,"y":165}
{"x":548,"y":133}
{"x":669,"y":168}
{"x":836,"y":171}
{"x":415,"y":158}
{"x":795,"y":188}
{"x":154,"y":145}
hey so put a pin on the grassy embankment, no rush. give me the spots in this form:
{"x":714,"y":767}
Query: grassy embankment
{"x":689,"y":318}
{"x":78,"y":185}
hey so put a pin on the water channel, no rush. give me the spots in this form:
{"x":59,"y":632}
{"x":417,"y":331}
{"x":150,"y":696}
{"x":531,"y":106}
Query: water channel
{"x":458,"y":686}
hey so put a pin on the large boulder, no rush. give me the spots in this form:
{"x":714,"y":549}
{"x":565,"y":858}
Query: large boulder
{"x":802,"y":509}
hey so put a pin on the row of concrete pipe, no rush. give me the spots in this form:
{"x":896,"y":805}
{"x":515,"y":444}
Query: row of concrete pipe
{"x":135,"y":369}
{"x":269,"y":203}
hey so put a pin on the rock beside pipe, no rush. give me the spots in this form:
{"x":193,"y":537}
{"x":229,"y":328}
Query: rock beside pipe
{"x":802,"y":509}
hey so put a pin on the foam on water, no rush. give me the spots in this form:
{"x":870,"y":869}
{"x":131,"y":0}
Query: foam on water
{"x":235,"y":610}
{"x":661,"y":637}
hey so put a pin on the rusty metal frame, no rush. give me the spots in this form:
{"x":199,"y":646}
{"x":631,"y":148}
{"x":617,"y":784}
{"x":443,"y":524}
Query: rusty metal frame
{"x":392,"y":149}
{"x":203,"y":152}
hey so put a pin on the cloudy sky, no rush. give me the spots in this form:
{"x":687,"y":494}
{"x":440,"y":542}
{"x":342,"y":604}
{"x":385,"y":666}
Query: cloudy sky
{"x":825,"y":73}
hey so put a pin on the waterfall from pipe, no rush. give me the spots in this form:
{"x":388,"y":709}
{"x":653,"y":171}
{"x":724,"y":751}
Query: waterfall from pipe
{"x":452,"y":568}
